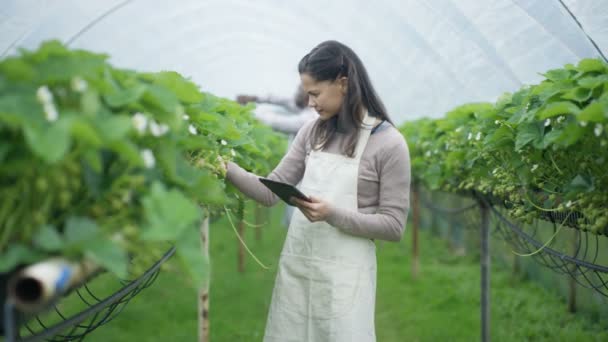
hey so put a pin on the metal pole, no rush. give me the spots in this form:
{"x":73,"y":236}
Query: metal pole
{"x":485,"y":272}
{"x":11,"y":325}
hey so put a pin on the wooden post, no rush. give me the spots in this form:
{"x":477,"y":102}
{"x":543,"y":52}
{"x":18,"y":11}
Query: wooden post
{"x":241,"y":230}
{"x":415,"y":226}
{"x":203,"y":294}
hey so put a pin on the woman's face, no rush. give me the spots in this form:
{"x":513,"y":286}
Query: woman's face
{"x":326,"y":97}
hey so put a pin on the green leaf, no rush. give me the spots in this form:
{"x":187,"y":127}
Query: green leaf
{"x":557,"y":108}
{"x":109,"y":255}
{"x":51,"y":141}
{"x":80,"y":229}
{"x":594,"y":112}
{"x":123,"y":97}
{"x":168,"y":214}
{"x":127,"y":151}
{"x":4,"y":149}
{"x":17,"y":70}
{"x":188,"y":251}
{"x":92,"y":158}
{"x":578,"y":94}
{"x":16,"y":255}
{"x":552,"y":137}
{"x":581,"y":183}
{"x":48,"y":239}
{"x":434,"y":176}
{"x":63,"y":68}
{"x":526,"y":133}
{"x":83,"y":131}
{"x":588,"y":65}
{"x":21,"y":109}
{"x":113,"y":127}
{"x":89,"y":102}
{"x":161,"y":97}
{"x":557,"y":74}
{"x":571,"y":134}
{"x":592,"y":82}
{"x":185,"y":90}
{"x":500,"y":137}
{"x":208,"y":189}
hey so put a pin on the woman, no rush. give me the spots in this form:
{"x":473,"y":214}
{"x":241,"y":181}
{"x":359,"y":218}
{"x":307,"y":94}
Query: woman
{"x":354,"y":165}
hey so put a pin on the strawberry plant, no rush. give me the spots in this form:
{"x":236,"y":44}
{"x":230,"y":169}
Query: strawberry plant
{"x":108,"y":163}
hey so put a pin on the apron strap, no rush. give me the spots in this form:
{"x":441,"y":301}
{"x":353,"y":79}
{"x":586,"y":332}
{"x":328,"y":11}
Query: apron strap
{"x":364,"y":133}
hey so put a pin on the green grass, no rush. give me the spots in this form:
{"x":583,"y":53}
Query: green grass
{"x":442,"y":304}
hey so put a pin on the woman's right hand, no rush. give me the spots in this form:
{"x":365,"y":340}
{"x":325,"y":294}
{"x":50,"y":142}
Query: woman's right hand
{"x":222,"y":164}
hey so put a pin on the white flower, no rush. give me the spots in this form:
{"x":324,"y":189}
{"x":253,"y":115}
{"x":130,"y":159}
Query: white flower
{"x":192,"y":129}
{"x":232,"y":152}
{"x":478,"y":136}
{"x":561,"y":118}
{"x":497,"y":122}
{"x":140,"y":122}
{"x":50,"y":112}
{"x":186,"y":117}
{"x":158,"y":130}
{"x":223,"y":142}
{"x":469,"y":136}
{"x":534,"y":167}
{"x":547,"y":122}
{"x":44,"y":95}
{"x":78,"y":84}
{"x":583,"y":123}
{"x":569,"y":204}
{"x":598,"y":129}
{"x":148,"y":157}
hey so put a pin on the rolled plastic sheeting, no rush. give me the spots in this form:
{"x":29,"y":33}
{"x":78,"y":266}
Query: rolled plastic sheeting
{"x":37,"y":286}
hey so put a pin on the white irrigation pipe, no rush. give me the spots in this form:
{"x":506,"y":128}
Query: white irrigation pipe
{"x":38,"y":285}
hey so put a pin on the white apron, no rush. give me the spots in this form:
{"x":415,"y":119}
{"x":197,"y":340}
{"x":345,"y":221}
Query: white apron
{"x":325,"y":288}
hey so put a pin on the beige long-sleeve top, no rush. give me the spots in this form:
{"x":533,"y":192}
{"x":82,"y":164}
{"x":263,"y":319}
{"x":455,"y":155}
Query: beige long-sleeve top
{"x":383,"y":184}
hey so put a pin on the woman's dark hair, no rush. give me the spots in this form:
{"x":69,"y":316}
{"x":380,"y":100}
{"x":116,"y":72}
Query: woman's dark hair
{"x":330,"y":61}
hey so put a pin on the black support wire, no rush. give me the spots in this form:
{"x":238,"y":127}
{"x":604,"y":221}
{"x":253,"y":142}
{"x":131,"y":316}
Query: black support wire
{"x":580,"y":264}
{"x":96,"y":312}
{"x":579,"y":259}
{"x":583,"y":30}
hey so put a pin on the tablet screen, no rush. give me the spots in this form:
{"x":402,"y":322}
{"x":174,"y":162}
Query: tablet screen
{"x":283,"y":190}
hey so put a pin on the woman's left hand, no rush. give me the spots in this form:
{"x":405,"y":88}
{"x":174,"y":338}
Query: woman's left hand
{"x":315,"y":210}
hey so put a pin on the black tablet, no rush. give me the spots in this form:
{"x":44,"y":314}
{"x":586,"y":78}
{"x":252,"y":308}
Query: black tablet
{"x":283,"y":190}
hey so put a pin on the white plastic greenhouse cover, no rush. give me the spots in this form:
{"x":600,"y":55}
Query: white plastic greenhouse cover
{"x":424,"y":57}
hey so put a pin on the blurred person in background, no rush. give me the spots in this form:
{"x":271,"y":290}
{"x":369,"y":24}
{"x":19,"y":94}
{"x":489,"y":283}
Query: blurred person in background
{"x":283,"y":115}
